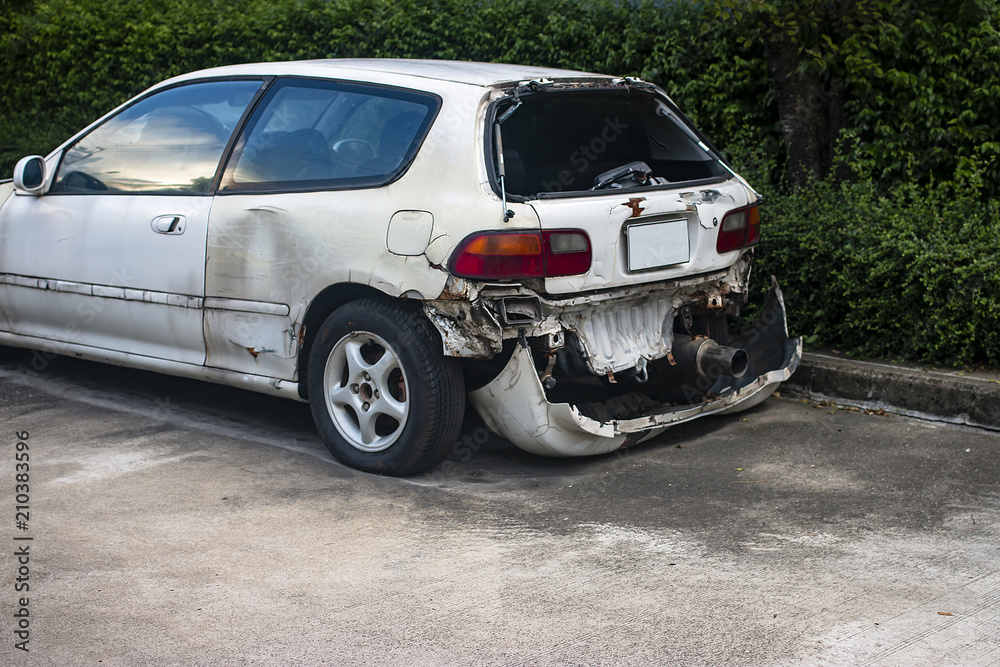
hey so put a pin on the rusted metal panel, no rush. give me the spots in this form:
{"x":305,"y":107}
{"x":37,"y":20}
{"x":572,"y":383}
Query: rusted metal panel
{"x":619,"y":329}
{"x":459,"y":289}
{"x":467,"y":330}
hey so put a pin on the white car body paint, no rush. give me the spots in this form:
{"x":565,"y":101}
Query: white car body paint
{"x":409,"y":233}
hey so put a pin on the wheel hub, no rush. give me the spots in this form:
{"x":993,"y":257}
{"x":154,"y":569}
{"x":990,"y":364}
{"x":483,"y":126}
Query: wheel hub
{"x":365,"y":390}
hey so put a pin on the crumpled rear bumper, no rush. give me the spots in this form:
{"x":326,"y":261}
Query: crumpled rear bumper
{"x":515,"y":406}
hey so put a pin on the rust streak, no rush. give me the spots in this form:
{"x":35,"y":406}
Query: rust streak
{"x":456,"y":289}
{"x":633,"y":203}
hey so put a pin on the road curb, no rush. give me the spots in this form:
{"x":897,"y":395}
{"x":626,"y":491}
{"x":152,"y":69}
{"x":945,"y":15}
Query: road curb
{"x":973,"y":400}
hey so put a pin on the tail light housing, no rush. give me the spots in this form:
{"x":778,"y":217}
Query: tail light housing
{"x":522,"y":254}
{"x":740,"y":228}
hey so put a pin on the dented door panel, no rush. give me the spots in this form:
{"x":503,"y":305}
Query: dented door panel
{"x":280,"y":251}
{"x":251,"y":342}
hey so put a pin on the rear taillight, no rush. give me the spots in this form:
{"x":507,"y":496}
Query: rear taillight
{"x":522,"y":254}
{"x":740,"y":228}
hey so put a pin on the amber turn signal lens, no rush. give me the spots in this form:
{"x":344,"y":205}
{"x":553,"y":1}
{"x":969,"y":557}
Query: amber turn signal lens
{"x":505,"y":245}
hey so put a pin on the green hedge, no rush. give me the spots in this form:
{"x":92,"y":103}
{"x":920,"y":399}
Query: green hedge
{"x":921,"y":85}
{"x":910,"y":274}
{"x":68,"y":61}
{"x":923,"y":98}
{"x":901,"y":261}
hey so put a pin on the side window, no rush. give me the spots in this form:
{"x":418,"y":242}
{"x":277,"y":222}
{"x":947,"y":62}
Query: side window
{"x":311,"y":134}
{"x":168,"y":143}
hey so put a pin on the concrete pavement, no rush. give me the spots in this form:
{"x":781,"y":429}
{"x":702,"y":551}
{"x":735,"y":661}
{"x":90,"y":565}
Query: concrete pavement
{"x":176,"y":522}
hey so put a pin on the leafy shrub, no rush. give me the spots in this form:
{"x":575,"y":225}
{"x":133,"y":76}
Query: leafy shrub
{"x":908,"y":273}
{"x":922,"y":98}
{"x":65,"y":62}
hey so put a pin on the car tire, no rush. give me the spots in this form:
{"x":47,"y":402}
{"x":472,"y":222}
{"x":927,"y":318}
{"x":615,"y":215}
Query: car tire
{"x":384,"y":397}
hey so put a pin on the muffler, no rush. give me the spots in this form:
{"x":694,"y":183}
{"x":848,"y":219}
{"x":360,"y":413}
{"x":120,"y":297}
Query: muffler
{"x":706,"y":357}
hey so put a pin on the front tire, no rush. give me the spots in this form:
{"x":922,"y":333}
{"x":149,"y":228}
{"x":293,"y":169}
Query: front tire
{"x":384,"y":397}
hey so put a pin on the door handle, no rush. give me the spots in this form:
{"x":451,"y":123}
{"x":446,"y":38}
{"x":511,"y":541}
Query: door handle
{"x":168,"y":224}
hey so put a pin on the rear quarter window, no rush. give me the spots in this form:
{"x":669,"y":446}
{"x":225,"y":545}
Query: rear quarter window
{"x":314,"y":135}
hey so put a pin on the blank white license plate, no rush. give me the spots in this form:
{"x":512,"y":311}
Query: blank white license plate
{"x":655,"y":244}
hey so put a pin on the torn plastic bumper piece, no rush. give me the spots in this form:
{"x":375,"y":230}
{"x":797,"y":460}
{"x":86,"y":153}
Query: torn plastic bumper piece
{"x":515,"y":406}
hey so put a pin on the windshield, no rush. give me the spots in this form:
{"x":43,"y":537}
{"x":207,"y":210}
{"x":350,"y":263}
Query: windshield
{"x":583,"y":140}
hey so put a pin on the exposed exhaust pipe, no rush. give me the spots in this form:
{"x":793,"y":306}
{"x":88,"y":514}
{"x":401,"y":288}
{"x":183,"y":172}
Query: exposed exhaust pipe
{"x":706,"y":357}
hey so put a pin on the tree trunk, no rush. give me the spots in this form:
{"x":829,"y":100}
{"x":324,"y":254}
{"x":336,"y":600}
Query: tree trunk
{"x":805,"y":110}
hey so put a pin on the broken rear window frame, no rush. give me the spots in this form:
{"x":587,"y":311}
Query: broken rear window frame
{"x":528,"y":91}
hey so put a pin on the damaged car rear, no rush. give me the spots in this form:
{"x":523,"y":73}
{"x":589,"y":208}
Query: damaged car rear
{"x":610,"y":322}
{"x":388,"y":239}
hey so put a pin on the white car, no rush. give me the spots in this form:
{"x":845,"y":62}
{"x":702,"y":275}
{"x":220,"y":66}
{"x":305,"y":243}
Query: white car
{"x":386,"y":238}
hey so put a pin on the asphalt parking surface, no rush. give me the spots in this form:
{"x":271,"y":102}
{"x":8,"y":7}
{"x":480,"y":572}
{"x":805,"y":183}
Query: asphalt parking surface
{"x":177,"y":522}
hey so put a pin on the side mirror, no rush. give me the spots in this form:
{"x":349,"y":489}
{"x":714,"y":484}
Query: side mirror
{"x":29,"y":174}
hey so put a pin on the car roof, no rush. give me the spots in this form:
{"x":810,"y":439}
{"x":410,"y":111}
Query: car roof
{"x":454,"y":71}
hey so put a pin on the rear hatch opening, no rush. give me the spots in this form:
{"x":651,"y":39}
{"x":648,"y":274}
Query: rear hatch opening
{"x":566,"y":141}
{"x":620,"y":165}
